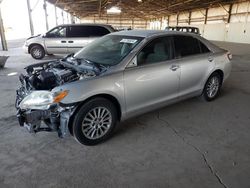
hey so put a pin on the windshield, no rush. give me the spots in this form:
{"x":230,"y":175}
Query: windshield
{"x":109,"y":50}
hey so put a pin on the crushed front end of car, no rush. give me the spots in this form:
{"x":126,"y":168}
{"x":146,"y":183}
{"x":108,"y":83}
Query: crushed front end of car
{"x":38,"y":106}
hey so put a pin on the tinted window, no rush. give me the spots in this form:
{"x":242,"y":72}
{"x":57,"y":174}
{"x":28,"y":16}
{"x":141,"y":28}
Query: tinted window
{"x":157,"y":50}
{"x":186,"y":46}
{"x":204,"y":49}
{"x":87,"y":31}
{"x":99,"y":31}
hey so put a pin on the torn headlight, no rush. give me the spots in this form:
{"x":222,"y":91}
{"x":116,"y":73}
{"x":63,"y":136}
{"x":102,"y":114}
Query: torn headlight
{"x":41,"y":100}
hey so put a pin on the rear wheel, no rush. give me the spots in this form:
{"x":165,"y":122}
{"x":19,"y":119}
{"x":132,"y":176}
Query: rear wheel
{"x":212,"y":87}
{"x":37,"y":52}
{"x":95,"y":121}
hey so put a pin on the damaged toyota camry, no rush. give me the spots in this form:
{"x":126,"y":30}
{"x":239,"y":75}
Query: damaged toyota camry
{"x":117,"y":77}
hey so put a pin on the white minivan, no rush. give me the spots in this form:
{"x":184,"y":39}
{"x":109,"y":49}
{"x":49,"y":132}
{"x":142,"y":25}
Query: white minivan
{"x":65,"y":39}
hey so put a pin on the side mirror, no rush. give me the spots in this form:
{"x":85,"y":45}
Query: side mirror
{"x":133,"y":63}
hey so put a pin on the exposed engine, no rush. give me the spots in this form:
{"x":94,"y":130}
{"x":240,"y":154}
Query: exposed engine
{"x":46,"y":76}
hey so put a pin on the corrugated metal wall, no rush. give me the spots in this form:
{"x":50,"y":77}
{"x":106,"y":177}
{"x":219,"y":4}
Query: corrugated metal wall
{"x":217,"y":26}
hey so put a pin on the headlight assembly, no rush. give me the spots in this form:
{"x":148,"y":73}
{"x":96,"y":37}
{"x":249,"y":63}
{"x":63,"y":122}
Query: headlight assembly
{"x":41,"y":100}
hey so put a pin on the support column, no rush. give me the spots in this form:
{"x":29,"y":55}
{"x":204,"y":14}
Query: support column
{"x":67,"y":17}
{"x":2,"y":34}
{"x":62,"y":17}
{"x":229,"y":13}
{"x":189,"y":17}
{"x":177,"y":19}
{"x":206,"y":13}
{"x":30,"y":18}
{"x":100,"y":8}
{"x":73,"y":21}
{"x":56,"y":15}
{"x":46,"y":15}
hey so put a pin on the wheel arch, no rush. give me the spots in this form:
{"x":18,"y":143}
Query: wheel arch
{"x":109,"y":97}
{"x":220,"y":72}
{"x":35,"y":44}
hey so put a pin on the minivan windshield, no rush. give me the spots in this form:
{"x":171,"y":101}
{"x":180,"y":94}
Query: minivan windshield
{"x":109,"y":50}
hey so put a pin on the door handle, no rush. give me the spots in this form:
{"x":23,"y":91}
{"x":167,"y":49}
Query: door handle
{"x":210,"y":59}
{"x":174,"y":67}
{"x":71,"y":41}
{"x":63,"y":41}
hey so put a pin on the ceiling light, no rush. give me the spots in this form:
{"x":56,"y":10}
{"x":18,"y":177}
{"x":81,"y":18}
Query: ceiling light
{"x":114,"y":10}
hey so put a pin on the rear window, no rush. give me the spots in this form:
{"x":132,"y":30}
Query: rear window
{"x":87,"y":31}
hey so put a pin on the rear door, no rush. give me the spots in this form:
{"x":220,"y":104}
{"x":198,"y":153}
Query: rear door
{"x":78,"y":36}
{"x":55,"y":41}
{"x":196,"y":62}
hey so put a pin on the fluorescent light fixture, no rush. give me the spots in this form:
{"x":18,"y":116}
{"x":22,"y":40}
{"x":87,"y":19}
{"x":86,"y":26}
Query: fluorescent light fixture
{"x":114,"y":10}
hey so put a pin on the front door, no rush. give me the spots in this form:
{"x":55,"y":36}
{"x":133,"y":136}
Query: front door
{"x":56,"y":41}
{"x":155,"y":80}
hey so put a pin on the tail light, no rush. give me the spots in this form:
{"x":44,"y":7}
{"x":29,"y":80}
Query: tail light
{"x":229,"y":56}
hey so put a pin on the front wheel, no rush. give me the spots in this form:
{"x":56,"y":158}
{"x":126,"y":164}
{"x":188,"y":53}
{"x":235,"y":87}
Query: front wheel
{"x":212,"y":87}
{"x":37,"y":52}
{"x":95,"y":121}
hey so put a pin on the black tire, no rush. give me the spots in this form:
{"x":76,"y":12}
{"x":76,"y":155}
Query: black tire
{"x":37,"y":52}
{"x":206,"y":95}
{"x":82,"y":116}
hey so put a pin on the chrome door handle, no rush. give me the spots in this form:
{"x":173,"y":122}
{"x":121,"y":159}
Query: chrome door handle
{"x":174,"y":67}
{"x":70,"y":41}
{"x":63,"y":41}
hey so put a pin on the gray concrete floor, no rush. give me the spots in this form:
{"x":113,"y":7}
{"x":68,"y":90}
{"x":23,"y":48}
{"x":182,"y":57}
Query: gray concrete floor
{"x":188,"y":144}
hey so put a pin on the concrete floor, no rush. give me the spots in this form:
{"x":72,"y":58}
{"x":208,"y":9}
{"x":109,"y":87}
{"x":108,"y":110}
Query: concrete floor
{"x":190,"y":144}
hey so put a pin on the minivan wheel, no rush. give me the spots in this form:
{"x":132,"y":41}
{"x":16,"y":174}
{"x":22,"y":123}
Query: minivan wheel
{"x":95,"y":121}
{"x":212,"y":87}
{"x":37,"y":52}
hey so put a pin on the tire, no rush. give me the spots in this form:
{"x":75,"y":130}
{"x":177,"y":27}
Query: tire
{"x":88,"y":129}
{"x":212,"y":87}
{"x":37,"y":52}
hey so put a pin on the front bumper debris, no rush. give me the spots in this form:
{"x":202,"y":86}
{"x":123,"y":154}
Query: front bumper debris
{"x":56,"y":118}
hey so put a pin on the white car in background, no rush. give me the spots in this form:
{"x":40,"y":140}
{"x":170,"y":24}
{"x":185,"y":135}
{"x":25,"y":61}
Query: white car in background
{"x":65,"y":39}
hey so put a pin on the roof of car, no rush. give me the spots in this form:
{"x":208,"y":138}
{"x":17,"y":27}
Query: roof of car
{"x":80,"y":24}
{"x":148,"y":33}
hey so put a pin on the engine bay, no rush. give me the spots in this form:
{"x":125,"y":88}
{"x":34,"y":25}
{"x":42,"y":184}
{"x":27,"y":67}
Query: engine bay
{"x":47,"y":75}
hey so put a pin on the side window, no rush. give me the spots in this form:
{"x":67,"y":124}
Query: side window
{"x":58,"y":32}
{"x":78,"y":31}
{"x":186,"y":46}
{"x":87,"y":31}
{"x":204,"y":49}
{"x":98,"y":31}
{"x":157,"y":50}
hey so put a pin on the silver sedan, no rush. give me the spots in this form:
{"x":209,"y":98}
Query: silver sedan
{"x":117,"y":77}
